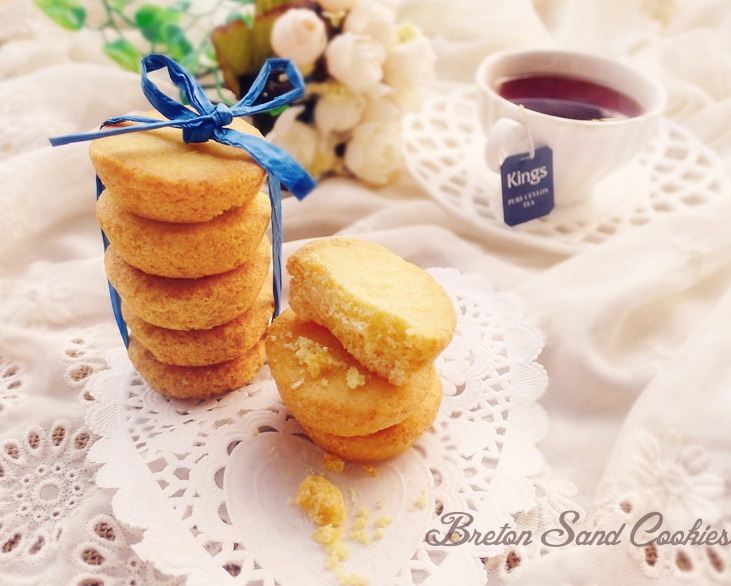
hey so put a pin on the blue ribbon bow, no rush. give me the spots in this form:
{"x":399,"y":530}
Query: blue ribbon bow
{"x":205,"y":122}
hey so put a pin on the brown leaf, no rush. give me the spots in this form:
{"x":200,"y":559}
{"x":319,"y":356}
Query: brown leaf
{"x":241,"y":50}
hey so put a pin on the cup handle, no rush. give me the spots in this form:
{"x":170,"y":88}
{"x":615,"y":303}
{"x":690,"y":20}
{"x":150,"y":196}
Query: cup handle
{"x":504,"y":137}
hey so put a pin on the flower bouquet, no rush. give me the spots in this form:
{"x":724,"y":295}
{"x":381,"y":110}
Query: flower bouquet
{"x":363,"y":70}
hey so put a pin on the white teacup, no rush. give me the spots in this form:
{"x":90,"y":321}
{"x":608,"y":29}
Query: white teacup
{"x":584,"y":150}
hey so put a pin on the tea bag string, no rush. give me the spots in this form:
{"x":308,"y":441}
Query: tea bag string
{"x":531,"y":144}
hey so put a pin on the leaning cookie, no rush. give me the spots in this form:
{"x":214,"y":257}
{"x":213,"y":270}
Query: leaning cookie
{"x":195,"y":382}
{"x":326,"y":388}
{"x":205,"y":347}
{"x":165,"y":179}
{"x":184,"y":250}
{"x":189,"y":304}
{"x":388,"y":442}
{"x":392,"y":315}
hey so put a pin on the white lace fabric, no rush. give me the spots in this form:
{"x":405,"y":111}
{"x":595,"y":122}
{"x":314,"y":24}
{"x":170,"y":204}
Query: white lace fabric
{"x":56,"y":524}
{"x":210,"y":483}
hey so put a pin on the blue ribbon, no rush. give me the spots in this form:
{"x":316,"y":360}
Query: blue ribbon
{"x":207,"y":122}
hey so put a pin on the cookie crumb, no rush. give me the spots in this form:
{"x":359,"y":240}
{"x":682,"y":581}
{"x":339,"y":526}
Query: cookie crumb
{"x":354,"y":378}
{"x":358,"y":531}
{"x":420,"y":503}
{"x":332,"y":463}
{"x":321,"y":500}
{"x":383,"y":521}
{"x":371,"y":470}
{"x":332,"y":538}
{"x":315,"y":357}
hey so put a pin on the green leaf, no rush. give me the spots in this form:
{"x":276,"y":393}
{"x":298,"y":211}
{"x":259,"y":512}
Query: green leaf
{"x":68,"y":14}
{"x":153,"y":21}
{"x":178,"y":46}
{"x":124,"y":54}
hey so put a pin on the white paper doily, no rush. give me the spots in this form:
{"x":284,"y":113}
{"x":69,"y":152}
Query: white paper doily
{"x":444,"y":144}
{"x":210,"y":483}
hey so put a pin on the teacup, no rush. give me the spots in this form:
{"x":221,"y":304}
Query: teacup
{"x":595,"y":113}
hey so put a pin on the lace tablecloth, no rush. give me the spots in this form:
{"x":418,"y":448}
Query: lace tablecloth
{"x":626,"y":308}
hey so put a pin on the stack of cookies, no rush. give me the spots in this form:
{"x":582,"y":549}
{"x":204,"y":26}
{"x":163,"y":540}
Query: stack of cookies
{"x":188,"y":255}
{"x":353,"y":356}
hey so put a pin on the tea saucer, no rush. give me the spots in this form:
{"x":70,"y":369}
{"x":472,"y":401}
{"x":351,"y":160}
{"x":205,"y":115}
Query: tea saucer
{"x":443,"y":150}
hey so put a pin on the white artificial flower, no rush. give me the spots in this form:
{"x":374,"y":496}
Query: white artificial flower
{"x":382,"y":109}
{"x":338,"y":111}
{"x":373,"y":154}
{"x":356,"y":61}
{"x":297,"y":138}
{"x":336,"y":6}
{"x":314,"y":152}
{"x":373,"y":19}
{"x":410,"y":61}
{"x":299,"y":35}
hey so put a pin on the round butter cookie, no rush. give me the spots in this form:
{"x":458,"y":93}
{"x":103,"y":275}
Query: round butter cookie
{"x":185,"y":250}
{"x":393,"y":316}
{"x":204,"y":347}
{"x":388,"y":442}
{"x":189,"y":304}
{"x":326,"y":388}
{"x":160,"y":177}
{"x":195,"y":382}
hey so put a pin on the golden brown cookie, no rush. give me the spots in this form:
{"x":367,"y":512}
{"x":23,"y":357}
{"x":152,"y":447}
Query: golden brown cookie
{"x":189,"y":304}
{"x":195,"y":382}
{"x":184,"y":250}
{"x":390,"y":314}
{"x":388,"y":442}
{"x":160,"y":177}
{"x":204,"y":347}
{"x":325,"y":387}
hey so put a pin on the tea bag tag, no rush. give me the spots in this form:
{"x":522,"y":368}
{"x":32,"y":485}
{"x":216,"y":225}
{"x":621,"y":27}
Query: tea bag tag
{"x":527,"y":185}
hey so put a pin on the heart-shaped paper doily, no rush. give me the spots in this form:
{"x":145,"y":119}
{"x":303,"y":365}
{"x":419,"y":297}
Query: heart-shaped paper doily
{"x":264,"y":473}
{"x":211,"y":483}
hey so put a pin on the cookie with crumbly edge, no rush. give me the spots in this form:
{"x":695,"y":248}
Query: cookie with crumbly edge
{"x":387,"y":443}
{"x":195,"y":382}
{"x":189,"y":304}
{"x":326,"y":388}
{"x":184,"y":250}
{"x":162,"y":178}
{"x":205,"y":347}
{"x":392,"y":315}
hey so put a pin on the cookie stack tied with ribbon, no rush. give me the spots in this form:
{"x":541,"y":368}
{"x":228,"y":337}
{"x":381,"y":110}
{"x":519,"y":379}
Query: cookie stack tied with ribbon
{"x":188,"y":256}
{"x":194,"y":279}
{"x":353,"y":356}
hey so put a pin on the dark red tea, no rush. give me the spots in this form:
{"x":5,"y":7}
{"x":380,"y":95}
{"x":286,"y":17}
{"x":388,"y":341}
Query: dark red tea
{"x":568,"y":97}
